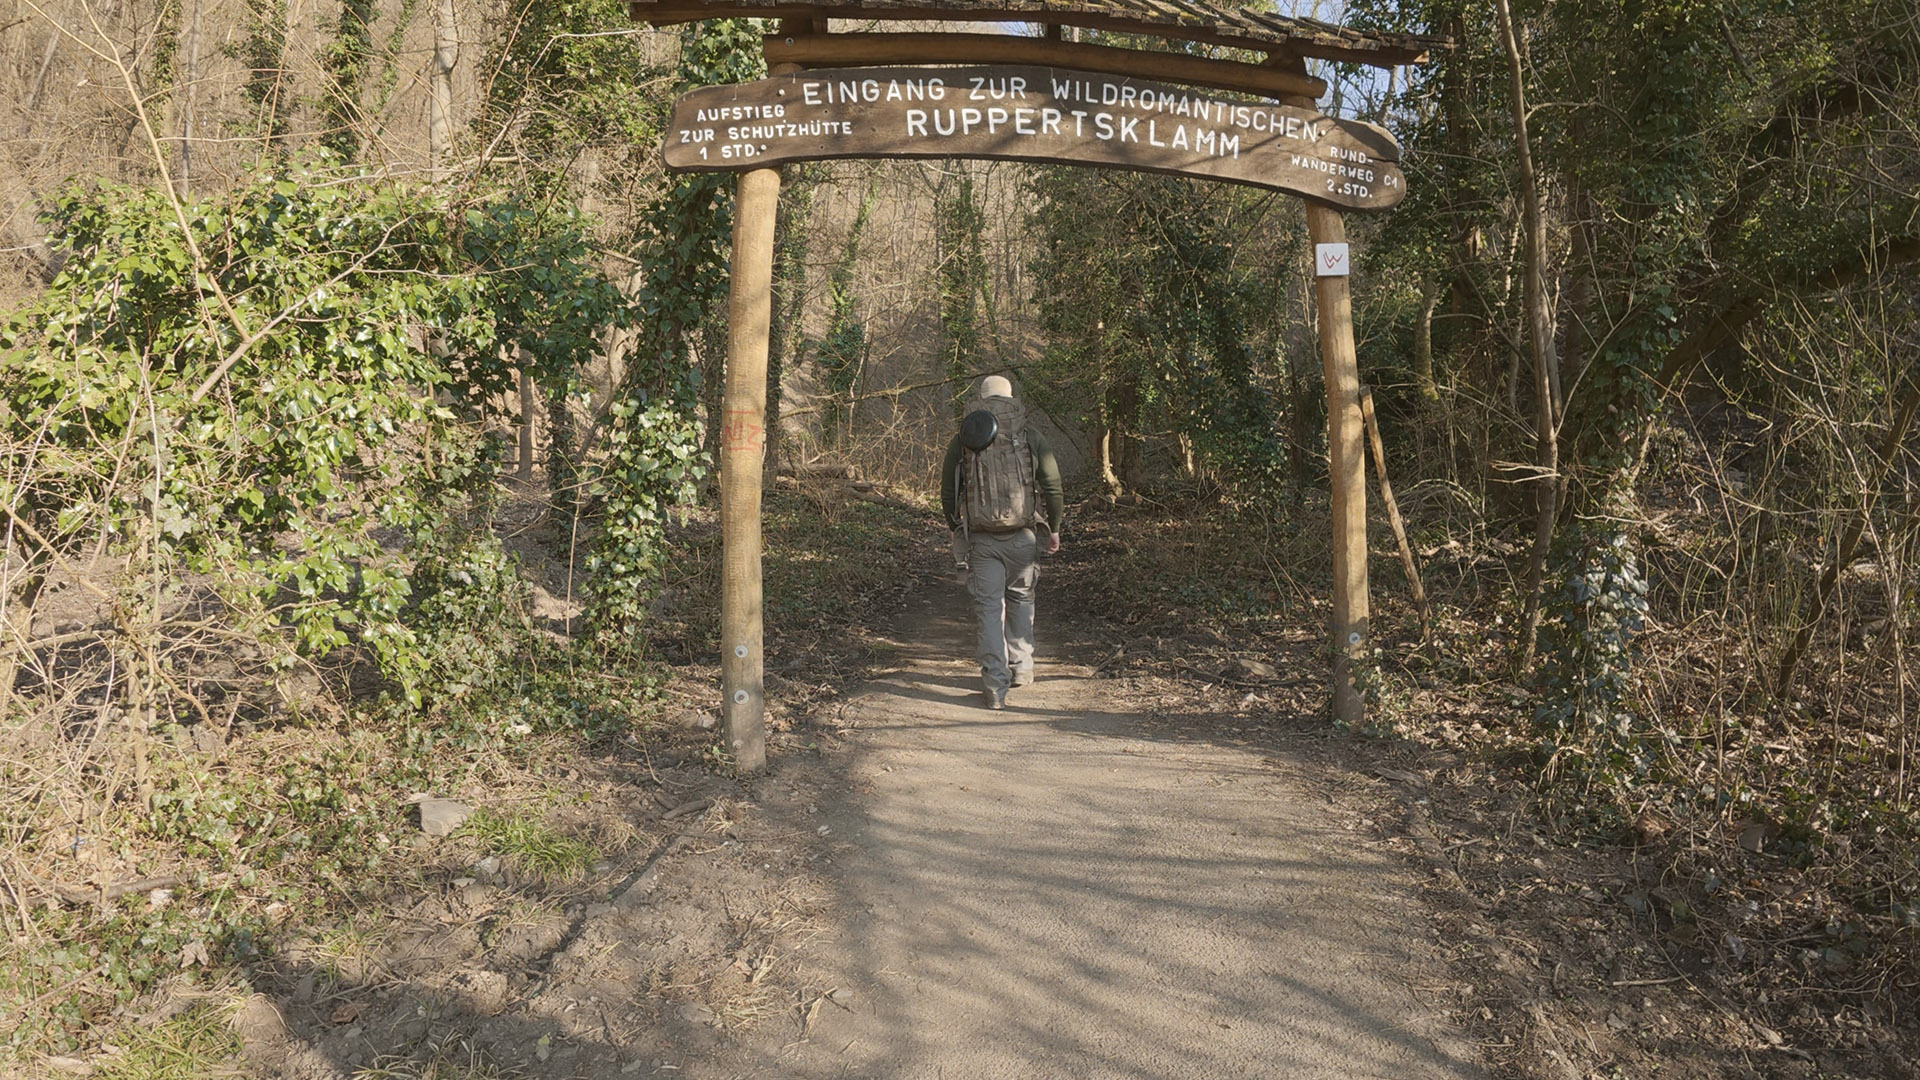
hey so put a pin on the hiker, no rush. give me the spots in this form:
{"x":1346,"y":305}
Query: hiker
{"x":998,"y":471}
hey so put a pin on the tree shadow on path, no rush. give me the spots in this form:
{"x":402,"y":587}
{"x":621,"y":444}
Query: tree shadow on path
{"x":1075,"y":888}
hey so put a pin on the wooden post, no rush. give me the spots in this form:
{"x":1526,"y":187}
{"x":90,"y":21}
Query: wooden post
{"x":1346,"y":451}
{"x":743,"y":444}
{"x":743,"y":441}
{"x":1346,"y":445}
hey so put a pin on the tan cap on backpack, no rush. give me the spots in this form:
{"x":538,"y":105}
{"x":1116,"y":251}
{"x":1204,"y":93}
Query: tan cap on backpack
{"x":996,"y":386}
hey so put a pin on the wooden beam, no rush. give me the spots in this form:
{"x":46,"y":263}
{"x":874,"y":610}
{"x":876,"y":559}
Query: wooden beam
{"x":859,"y":50}
{"x":1320,"y":44}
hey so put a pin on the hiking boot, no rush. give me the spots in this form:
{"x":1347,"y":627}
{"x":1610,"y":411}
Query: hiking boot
{"x":1023,"y":677}
{"x":996,"y":699}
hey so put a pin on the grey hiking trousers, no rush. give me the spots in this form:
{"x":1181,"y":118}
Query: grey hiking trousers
{"x":1005,"y":567}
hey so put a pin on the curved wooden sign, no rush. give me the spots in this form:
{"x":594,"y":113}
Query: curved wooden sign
{"x":1034,"y":114}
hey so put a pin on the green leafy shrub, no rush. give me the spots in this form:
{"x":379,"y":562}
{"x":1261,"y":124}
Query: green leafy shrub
{"x":267,"y":387}
{"x":653,"y":458}
{"x":469,"y":612}
{"x":653,"y":463}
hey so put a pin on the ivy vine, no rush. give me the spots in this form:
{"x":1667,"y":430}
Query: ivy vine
{"x":653,"y":459}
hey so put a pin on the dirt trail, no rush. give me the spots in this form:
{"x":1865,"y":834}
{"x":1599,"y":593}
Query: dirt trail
{"x":1069,"y":889}
{"x":1082,"y":886}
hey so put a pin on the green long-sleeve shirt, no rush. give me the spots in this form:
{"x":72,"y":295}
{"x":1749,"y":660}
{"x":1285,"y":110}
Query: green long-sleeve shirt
{"x":1046,"y":477}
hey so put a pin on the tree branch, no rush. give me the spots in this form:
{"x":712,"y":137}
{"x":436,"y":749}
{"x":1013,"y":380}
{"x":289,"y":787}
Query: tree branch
{"x":1725,"y":324}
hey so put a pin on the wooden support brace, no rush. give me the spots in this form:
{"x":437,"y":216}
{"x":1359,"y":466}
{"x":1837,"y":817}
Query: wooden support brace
{"x":1414,"y":584}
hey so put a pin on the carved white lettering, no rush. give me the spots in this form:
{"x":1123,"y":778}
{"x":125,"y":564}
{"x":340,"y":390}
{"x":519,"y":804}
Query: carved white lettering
{"x":1098,"y":120}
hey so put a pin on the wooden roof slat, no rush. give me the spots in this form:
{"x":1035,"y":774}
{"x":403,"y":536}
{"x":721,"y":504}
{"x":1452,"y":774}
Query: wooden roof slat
{"x":1187,"y":20}
{"x":871,"y":50}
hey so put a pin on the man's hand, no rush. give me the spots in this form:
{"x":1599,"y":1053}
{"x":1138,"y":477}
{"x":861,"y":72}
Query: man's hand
{"x":1053,"y":543}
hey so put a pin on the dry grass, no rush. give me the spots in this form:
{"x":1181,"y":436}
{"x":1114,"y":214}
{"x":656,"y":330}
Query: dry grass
{"x":198,"y":1044}
{"x":452,"y":1058}
{"x":531,"y":847}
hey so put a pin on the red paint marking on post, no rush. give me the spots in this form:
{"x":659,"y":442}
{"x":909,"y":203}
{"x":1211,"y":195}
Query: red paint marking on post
{"x":741,"y":430}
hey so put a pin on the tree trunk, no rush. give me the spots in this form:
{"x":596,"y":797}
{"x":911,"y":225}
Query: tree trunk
{"x":1423,"y":343}
{"x":563,"y":452}
{"x":1456,"y":90}
{"x":1123,"y":410}
{"x":446,"y":53}
{"x":29,"y":109}
{"x":189,"y":84}
{"x":528,"y":412}
{"x":1111,"y":478}
{"x":1540,"y":345}
{"x":789,"y":301}
{"x":1300,"y":396}
{"x":22,"y":573}
{"x":1736,"y":313}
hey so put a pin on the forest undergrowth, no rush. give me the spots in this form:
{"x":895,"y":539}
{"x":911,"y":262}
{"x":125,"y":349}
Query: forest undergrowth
{"x":283,"y":828}
{"x":1742,"y":904}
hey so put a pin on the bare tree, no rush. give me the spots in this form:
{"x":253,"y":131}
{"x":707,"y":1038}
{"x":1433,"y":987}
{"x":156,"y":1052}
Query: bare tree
{"x":446,"y":53}
{"x":1540,"y":345}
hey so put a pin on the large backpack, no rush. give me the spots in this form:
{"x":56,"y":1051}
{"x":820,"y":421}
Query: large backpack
{"x":1000,"y":495}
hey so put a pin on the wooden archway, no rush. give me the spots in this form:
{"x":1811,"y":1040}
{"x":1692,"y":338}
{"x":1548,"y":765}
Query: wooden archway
{"x":880,"y":95}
